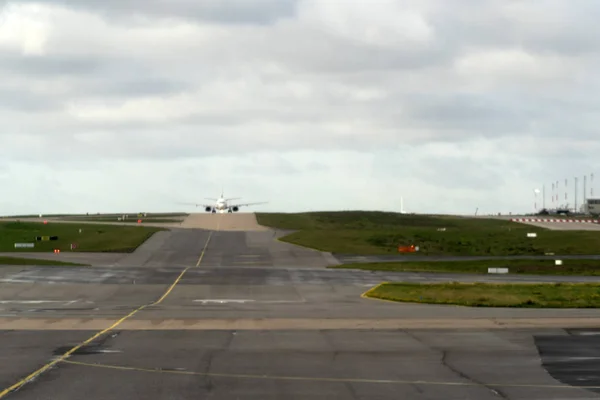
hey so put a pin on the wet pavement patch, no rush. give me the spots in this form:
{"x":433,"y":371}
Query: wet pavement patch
{"x":574,"y":359}
{"x":98,"y":347}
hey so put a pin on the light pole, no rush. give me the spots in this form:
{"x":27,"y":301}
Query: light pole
{"x":544,"y":197}
{"x":535,"y":194}
{"x":575,"y":205}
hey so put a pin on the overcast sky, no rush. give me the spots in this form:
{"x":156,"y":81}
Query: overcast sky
{"x":131,"y":105}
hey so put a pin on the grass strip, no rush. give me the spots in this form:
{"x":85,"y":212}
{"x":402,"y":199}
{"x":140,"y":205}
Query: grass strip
{"x":552,"y":295}
{"x":86,"y":237}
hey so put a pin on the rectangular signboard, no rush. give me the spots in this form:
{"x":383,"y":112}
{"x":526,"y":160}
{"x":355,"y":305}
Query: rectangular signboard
{"x":497,"y":270}
{"x":24,"y":245}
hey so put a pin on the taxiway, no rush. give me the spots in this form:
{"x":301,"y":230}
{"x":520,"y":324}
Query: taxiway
{"x":232,"y":313}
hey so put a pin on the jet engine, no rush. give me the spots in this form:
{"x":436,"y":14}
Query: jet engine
{"x":235,"y":208}
{"x":208,"y":209}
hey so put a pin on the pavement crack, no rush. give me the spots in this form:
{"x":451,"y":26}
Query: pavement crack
{"x":463,"y":375}
{"x":445,"y":363}
{"x":209,"y":386}
{"x":331,"y":344}
{"x":335,"y":354}
{"x":210,"y":356}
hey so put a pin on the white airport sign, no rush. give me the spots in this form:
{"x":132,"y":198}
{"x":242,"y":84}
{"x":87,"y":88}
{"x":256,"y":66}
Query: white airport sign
{"x":24,"y":245}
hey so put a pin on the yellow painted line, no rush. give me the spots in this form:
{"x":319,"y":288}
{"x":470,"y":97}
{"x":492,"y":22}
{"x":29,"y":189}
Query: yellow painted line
{"x":208,"y":240}
{"x":367,"y":294}
{"x":65,"y":355}
{"x":203,"y":250}
{"x":172,"y":286}
{"x":324,"y":379}
{"x":62,"y":358}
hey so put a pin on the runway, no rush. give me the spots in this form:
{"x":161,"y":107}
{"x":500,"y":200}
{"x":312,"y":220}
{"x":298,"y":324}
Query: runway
{"x":235,"y":314}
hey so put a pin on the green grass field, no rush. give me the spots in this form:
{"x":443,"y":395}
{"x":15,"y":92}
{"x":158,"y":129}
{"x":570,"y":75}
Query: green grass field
{"x":555,"y":295}
{"x":361,"y":232}
{"x":93,"y":238}
{"x":101,"y":215}
{"x":32,"y":261}
{"x":533,"y":267}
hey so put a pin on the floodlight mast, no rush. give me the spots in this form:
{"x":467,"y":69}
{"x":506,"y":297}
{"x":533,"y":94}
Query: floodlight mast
{"x":544,"y":196}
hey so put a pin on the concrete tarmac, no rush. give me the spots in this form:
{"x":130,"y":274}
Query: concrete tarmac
{"x":565,"y":226}
{"x":253,"y":318}
{"x":318,"y":364}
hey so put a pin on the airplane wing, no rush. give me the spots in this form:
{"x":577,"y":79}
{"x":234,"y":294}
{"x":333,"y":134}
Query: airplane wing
{"x":246,"y":204}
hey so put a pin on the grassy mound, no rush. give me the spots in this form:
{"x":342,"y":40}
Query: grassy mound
{"x":362,"y":232}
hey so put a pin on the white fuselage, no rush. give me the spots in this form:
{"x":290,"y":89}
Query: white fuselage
{"x":221,"y":205}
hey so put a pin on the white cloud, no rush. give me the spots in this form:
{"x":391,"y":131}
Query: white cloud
{"x":24,"y":29}
{"x":311,"y":104}
{"x":382,"y":23}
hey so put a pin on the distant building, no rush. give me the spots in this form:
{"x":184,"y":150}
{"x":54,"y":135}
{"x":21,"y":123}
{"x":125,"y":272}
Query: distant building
{"x":593,"y":206}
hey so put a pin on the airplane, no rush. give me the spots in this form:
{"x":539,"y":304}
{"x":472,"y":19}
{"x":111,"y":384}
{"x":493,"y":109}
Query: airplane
{"x":222,"y":204}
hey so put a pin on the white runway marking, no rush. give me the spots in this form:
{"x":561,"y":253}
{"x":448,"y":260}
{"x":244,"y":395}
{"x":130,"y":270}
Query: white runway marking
{"x":222,"y":301}
{"x":243,"y":301}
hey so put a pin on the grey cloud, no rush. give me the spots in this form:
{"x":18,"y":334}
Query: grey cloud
{"x":304,"y":50}
{"x":49,"y":65}
{"x":446,"y":113}
{"x":484,"y":114}
{"x":138,"y":87}
{"x":221,"y":11}
{"x":25,"y":100}
{"x":553,"y":26}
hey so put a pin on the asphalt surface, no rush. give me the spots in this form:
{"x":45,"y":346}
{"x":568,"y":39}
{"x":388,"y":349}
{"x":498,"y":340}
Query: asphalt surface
{"x":564,"y":226}
{"x":253,"y":318}
{"x":353,"y":259}
{"x":319,"y":364}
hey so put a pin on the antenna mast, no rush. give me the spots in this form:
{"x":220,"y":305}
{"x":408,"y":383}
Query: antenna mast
{"x":575,"y":205}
